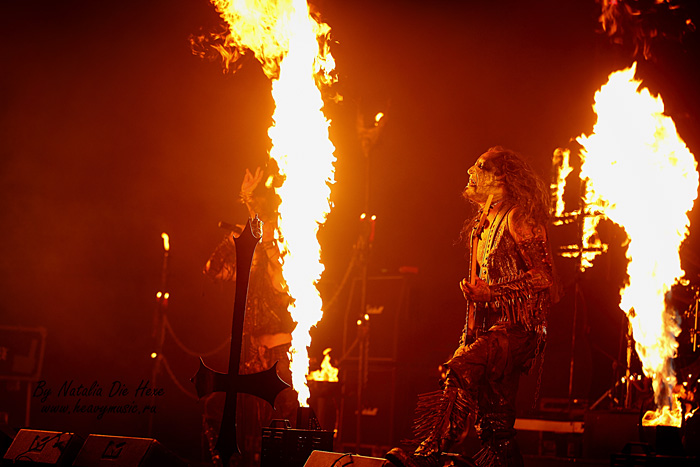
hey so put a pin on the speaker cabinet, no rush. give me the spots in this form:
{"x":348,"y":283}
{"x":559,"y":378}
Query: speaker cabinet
{"x":38,"y":447}
{"x":287,"y":447}
{"x":385,"y":300}
{"x":377,"y":416}
{"x":121,"y":451}
{"x":374,"y":340}
{"x":608,"y":431}
{"x":334,"y":459}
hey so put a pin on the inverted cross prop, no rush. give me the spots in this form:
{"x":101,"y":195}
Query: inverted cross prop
{"x":265,"y":384}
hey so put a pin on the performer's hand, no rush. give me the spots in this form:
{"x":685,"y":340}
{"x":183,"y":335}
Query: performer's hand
{"x":479,"y":292}
{"x":251,"y":181}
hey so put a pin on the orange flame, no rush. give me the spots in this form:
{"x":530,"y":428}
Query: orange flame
{"x":269,"y":28}
{"x":667,"y":415}
{"x":641,"y":175}
{"x":590,"y":246}
{"x":563,"y":169}
{"x":293,"y":48}
{"x":327,"y":372}
{"x":642,"y":23}
{"x":166,"y":241}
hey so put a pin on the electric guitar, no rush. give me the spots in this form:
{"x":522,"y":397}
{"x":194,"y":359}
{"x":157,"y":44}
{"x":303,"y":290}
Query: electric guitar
{"x":476,"y":234}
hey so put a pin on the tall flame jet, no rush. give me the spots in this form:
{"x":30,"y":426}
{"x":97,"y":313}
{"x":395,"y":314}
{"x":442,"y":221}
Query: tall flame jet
{"x":643,"y":177}
{"x":293,"y":49}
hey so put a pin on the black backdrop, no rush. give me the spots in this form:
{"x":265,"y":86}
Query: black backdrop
{"x":112,"y":131}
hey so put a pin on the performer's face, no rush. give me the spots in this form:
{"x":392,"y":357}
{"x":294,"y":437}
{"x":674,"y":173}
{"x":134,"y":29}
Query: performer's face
{"x":483,"y":181}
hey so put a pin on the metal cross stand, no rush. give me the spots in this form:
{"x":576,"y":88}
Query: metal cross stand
{"x":582,"y":250}
{"x":266,"y":384}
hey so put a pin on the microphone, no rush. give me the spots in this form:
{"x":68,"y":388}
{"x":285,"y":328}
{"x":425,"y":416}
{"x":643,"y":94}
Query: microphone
{"x":227,"y":226}
{"x":236,"y":229}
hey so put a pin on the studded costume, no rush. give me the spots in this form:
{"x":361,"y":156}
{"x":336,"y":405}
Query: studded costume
{"x":510,"y":332}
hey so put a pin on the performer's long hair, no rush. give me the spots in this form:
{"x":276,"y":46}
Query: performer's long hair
{"x":522,"y":185}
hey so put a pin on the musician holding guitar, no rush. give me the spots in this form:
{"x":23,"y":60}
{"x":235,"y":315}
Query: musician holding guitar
{"x":508,"y":297}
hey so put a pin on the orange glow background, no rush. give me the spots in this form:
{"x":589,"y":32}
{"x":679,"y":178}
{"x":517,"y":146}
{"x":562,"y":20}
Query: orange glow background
{"x":112,"y":132}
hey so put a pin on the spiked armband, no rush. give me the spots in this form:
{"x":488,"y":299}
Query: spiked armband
{"x":245,"y":197}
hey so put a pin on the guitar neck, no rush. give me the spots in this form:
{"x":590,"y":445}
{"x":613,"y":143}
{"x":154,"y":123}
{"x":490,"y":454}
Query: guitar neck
{"x":476,"y":234}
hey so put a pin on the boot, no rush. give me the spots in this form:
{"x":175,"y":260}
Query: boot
{"x":441,"y":416}
{"x":499,"y":452}
{"x":496,"y":431}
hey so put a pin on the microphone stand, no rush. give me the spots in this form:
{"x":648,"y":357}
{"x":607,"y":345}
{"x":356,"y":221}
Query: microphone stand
{"x":159,"y":323}
{"x":368,"y":138}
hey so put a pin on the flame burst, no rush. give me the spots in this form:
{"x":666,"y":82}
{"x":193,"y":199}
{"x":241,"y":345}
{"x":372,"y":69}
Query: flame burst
{"x":292,"y":46}
{"x":327,"y":372}
{"x":643,"y":177}
{"x":590,"y":245}
{"x":562,"y":170}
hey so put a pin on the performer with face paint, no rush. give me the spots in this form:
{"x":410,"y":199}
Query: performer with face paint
{"x":512,"y":298}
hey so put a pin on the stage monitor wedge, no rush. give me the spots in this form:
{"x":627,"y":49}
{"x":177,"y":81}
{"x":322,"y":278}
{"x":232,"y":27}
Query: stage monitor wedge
{"x":123,"y":451}
{"x":40,"y":447}
{"x":335,"y":459}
